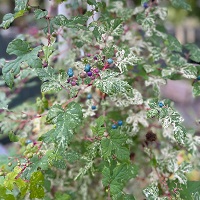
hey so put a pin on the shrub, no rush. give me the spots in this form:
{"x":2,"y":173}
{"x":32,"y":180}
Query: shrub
{"x":100,"y":129}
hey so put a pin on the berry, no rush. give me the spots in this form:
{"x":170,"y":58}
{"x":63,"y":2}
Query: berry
{"x":89,"y":96}
{"x":95,"y":58}
{"x":9,"y":164}
{"x":120,"y":122}
{"x":87,"y":68}
{"x":160,"y":104}
{"x":93,"y":107}
{"x":29,"y":155}
{"x":83,"y":75}
{"x":96,"y":70}
{"x":89,"y":73}
{"x":114,"y":126}
{"x":73,"y":83}
{"x":110,"y":61}
{"x":198,"y":78}
{"x":28,"y":141}
{"x":70,"y":72}
{"x":145,"y":5}
{"x":92,"y":77}
{"x":150,"y":136}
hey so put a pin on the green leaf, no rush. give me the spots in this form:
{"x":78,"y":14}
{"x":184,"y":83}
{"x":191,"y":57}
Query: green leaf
{"x":50,"y":79}
{"x":38,"y":163}
{"x":196,"y":89}
{"x":10,"y":178}
{"x":110,"y":84}
{"x":151,"y":192}
{"x":54,"y":113}
{"x":147,"y":22}
{"x":118,"y":177}
{"x":123,"y":60}
{"x":60,"y":20}
{"x":48,"y":50}
{"x":7,"y":20}
{"x":3,"y":101}
{"x":20,"y":5}
{"x":99,"y":129}
{"x":181,"y":4}
{"x":22,"y":185}
{"x":106,"y":146}
{"x":152,"y":113}
{"x":173,"y":44}
{"x":115,"y":141}
{"x":13,"y":137}
{"x":61,"y":196}
{"x":180,"y":134}
{"x":40,"y":13}
{"x":194,"y":52}
{"x":187,"y":192}
{"x":4,"y":195}
{"x":20,"y":9}
{"x":72,"y":156}
{"x":37,"y":185}
{"x":189,"y":71}
{"x":66,"y":121}
{"x":123,"y":154}
{"x":91,"y":2}
{"x":25,"y":54}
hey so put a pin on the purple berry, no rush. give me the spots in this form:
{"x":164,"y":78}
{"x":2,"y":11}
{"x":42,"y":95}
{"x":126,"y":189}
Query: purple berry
{"x":73,"y":83}
{"x":145,"y":5}
{"x":95,"y":58}
{"x":89,"y":73}
{"x":96,"y":70}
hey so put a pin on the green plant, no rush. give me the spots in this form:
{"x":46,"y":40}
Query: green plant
{"x":95,"y":128}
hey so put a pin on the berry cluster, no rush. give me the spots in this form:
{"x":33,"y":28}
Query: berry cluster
{"x":119,"y":123}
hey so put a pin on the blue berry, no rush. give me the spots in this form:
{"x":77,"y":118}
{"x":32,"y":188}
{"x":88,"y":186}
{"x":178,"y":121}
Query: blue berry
{"x":110,"y":61}
{"x":87,"y":68}
{"x":93,"y":107}
{"x":89,"y":96}
{"x":160,"y":104}
{"x":70,"y":72}
{"x":198,"y":78}
{"x":120,"y":122}
{"x":145,"y":5}
{"x":114,"y":126}
{"x":28,"y":141}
